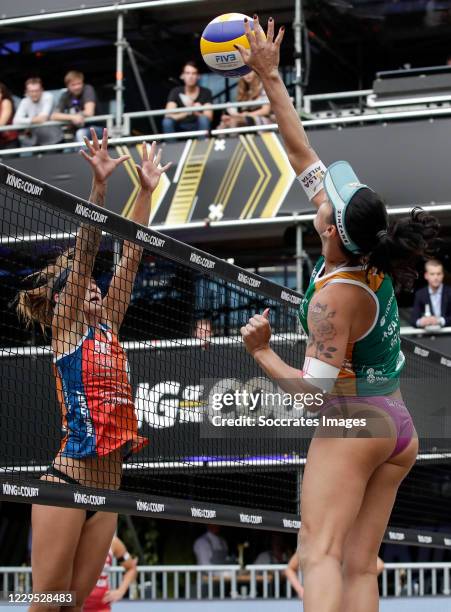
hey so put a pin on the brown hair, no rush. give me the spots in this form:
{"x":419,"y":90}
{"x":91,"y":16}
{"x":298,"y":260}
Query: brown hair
{"x":34,"y":81}
{"x":191,"y":64}
{"x":73,"y":75}
{"x":433,"y":262}
{"x":249,"y":91}
{"x":6,"y":93}
{"x":36,"y":305}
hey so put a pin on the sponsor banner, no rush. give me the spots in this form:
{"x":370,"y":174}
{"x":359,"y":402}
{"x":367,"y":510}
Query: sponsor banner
{"x":28,"y":187}
{"x":15,"y":490}
{"x":428,"y":354}
{"x":88,"y":213}
{"x":185,"y":510}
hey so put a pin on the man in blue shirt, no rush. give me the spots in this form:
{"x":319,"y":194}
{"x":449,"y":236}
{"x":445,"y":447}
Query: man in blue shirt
{"x":432,"y":305}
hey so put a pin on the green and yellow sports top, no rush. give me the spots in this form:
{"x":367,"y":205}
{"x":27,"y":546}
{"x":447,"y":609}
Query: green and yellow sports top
{"x":374,"y":361}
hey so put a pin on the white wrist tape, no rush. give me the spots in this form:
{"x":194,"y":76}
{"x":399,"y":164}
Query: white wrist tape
{"x":312,"y":178}
{"x":325,"y":374}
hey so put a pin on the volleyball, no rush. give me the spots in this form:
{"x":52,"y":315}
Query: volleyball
{"x":217,"y":44}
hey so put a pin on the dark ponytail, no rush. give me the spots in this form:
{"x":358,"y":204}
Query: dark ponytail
{"x":394,"y":250}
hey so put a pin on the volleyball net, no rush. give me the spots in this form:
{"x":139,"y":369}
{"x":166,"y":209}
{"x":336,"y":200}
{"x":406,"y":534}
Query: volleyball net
{"x":187,"y":367}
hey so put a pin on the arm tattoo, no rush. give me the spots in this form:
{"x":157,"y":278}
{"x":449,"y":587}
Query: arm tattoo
{"x":322,"y":331}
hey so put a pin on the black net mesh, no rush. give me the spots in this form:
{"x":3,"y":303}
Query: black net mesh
{"x":129,"y":415}
{"x":94,"y":406}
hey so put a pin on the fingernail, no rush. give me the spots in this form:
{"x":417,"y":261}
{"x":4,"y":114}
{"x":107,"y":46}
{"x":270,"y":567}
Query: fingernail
{"x":254,"y":16}
{"x":270,"y":19}
{"x":282,"y":28}
{"x":245,"y":20}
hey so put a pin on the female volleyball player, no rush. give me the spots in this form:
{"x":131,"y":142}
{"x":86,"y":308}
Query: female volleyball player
{"x":101,"y":597}
{"x":69,"y":546}
{"x":351,"y":316}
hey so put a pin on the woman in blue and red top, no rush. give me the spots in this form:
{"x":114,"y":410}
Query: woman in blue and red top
{"x":69,"y":545}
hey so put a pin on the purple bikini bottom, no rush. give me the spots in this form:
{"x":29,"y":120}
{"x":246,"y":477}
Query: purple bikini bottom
{"x":395,"y":408}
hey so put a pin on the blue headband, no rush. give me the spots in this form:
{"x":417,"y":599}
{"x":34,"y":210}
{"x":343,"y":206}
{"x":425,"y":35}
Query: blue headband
{"x":341,"y":184}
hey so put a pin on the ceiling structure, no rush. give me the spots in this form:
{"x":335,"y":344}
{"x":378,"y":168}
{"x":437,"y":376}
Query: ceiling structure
{"x":347,"y":41}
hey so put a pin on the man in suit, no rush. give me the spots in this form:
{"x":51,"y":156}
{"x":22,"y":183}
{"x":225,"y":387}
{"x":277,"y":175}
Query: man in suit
{"x":432,"y":305}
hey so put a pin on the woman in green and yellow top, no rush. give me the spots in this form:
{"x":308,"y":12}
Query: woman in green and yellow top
{"x":351,"y":317}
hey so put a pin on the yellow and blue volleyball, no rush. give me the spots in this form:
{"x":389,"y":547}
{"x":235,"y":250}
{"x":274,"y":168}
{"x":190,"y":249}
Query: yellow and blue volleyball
{"x":217,"y":44}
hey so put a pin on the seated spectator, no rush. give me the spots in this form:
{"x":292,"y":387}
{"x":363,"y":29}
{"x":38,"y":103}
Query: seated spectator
{"x":210,"y":548}
{"x":9,"y":138}
{"x":75,"y":105}
{"x":189,"y":94}
{"x":276,"y":554}
{"x":432,"y":305}
{"x":36,"y":107}
{"x":249,"y":88}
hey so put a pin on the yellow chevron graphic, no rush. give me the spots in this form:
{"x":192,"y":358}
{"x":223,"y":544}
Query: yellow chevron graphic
{"x":241,"y":159}
{"x":189,"y":181}
{"x":287,"y":175}
{"x":263,"y":179}
{"x":129,"y":166}
{"x":219,"y":197}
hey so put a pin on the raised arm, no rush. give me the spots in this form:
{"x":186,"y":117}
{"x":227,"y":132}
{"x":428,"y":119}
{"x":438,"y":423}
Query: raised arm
{"x":263,"y":57}
{"x":69,"y":307}
{"x":119,"y":293}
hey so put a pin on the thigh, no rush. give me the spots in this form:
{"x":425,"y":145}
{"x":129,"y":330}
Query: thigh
{"x":365,"y":537}
{"x":55,"y":536}
{"x":334,"y":483}
{"x":92,"y":551}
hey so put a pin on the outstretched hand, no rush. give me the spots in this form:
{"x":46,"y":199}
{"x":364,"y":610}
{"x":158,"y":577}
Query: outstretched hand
{"x":257,"y":333}
{"x":150,"y":171}
{"x":102,"y":164}
{"x":264,"y":53}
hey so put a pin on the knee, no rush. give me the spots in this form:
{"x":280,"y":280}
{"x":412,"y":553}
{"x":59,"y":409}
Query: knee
{"x":203,"y":123}
{"x":315,"y":548}
{"x":81,"y":133}
{"x":357,"y":565}
{"x":168,"y":125}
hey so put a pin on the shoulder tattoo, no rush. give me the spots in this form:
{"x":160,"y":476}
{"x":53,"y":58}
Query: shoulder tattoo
{"x":322,"y":330}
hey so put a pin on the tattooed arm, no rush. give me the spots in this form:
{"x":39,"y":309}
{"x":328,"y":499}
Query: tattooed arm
{"x":338,"y":314}
{"x":329,"y":323}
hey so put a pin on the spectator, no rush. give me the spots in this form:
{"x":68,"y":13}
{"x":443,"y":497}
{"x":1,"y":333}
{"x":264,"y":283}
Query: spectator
{"x":210,"y":548}
{"x":249,"y":88}
{"x":9,"y":138}
{"x":36,"y":107}
{"x":189,"y":94}
{"x":432,"y":305}
{"x":276,"y":554}
{"x":76,"y":105}
{"x":102,"y":596}
{"x":203,"y":331}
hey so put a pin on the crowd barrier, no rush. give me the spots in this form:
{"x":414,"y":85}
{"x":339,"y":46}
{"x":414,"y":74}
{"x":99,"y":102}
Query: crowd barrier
{"x":264,"y":581}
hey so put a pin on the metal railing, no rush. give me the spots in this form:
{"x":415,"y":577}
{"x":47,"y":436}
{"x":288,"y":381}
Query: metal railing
{"x":339,"y":95}
{"x":20,"y":127}
{"x":109,"y":118}
{"x":326,"y":122}
{"x":330,"y":121}
{"x":264,"y":581}
{"x":419,"y":331}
